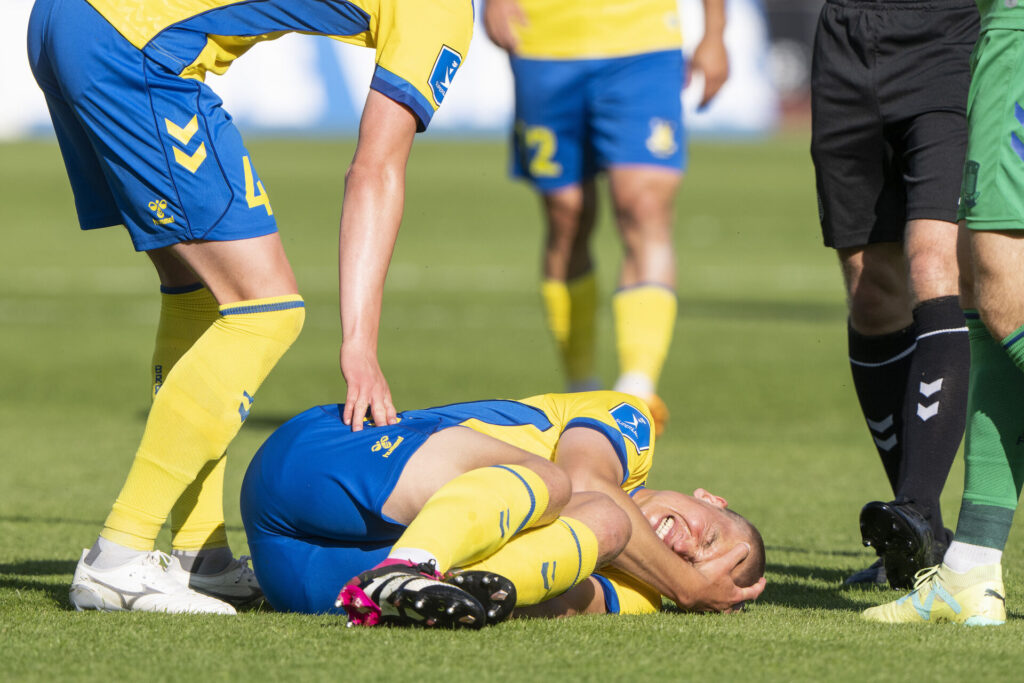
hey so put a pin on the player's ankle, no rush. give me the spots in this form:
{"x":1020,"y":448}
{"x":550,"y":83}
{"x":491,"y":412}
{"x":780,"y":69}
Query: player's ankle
{"x":205,"y":560}
{"x":106,"y":554}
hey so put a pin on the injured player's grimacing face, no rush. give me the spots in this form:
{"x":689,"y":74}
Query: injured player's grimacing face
{"x":701,"y":528}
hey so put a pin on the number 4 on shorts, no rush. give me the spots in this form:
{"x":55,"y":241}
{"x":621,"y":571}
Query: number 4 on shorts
{"x":251,"y":197}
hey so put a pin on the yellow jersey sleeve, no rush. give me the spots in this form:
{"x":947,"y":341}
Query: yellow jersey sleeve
{"x":624,"y":594}
{"x":420,"y":45}
{"x":625,"y":420}
{"x":587,"y":29}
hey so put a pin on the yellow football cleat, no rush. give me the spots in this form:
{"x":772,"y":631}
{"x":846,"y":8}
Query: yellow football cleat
{"x":659,"y":411}
{"x":941,"y":595}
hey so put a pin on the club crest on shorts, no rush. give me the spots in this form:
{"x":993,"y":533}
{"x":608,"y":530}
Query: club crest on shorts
{"x":633,"y":425}
{"x":445,"y":66}
{"x":662,"y":140}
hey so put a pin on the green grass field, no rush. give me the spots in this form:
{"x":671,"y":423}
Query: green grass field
{"x":763,"y":413}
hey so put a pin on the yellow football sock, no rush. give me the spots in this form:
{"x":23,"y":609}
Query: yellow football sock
{"x":645,"y":317}
{"x":200,"y":407}
{"x":476,"y":513}
{"x":185,"y":313}
{"x":546,"y":561}
{"x":571,"y":312}
{"x":197,"y":519}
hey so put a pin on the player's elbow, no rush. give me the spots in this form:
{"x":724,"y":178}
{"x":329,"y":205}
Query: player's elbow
{"x":379,"y":175}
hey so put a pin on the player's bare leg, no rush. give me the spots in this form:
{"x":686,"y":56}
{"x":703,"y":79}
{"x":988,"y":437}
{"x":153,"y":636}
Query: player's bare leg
{"x":569,"y":288}
{"x":645,"y":305}
{"x":199,"y":408}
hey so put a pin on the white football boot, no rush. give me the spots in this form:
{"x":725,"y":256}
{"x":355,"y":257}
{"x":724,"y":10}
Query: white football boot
{"x":147,"y":584}
{"x":236,"y":583}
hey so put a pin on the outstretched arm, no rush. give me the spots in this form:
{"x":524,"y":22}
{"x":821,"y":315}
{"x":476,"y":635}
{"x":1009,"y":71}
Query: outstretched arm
{"x":370,"y":217}
{"x":592,"y":466}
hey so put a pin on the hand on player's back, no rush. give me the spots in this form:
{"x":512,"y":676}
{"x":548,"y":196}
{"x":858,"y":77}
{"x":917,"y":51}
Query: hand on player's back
{"x":367,"y":388}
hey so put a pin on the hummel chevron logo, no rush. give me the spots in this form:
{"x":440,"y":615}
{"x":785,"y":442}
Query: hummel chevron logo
{"x":929,"y":388}
{"x":927,"y":412}
{"x":182,"y":135}
{"x":193,"y":162}
{"x":886,"y":444}
{"x":880,"y":427}
{"x":244,"y":411}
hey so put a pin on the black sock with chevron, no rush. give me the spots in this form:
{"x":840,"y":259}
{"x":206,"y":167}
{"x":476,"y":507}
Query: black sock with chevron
{"x":935,"y":406}
{"x":879,"y":365}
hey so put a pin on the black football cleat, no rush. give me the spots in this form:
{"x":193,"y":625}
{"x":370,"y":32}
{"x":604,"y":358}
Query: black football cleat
{"x":496,"y":593}
{"x":414,"y":595}
{"x":902,"y":538}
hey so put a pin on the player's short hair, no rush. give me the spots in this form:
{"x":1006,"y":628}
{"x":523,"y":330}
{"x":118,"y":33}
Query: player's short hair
{"x":752,"y":568}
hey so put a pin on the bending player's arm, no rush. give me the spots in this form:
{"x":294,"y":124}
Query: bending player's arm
{"x":370,"y":217}
{"x":593,"y":466}
{"x":711,"y":57}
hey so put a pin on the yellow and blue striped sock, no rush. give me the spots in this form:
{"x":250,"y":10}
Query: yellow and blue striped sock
{"x":645,"y":317}
{"x":544,"y":562}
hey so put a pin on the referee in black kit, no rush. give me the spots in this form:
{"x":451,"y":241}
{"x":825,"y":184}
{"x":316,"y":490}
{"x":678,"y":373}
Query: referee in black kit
{"x":889,"y":84}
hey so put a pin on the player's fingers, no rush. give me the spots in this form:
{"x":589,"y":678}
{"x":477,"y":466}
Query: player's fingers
{"x":389,"y":409}
{"x":754,"y":591}
{"x":346,"y":415}
{"x":712,"y":84}
{"x":358,"y":413}
{"x":379,"y":411}
{"x":736,"y":554}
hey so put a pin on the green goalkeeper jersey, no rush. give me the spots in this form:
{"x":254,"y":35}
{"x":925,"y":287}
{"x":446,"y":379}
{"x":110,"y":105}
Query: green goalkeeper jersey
{"x":1005,"y":14}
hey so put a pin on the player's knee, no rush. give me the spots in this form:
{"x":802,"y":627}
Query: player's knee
{"x":933,"y":273}
{"x":879,"y":301}
{"x":1000,"y":319}
{"x":558,"y":484}
{"x":565,"y":209}
{"x":609,"y":522}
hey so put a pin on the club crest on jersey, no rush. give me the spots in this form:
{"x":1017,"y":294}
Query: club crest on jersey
{"x":445,"y":66}
{"x":662,"y":140}
{"x":633,"y":425}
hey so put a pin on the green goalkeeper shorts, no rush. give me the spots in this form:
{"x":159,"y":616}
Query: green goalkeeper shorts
{"x":992,"y":195}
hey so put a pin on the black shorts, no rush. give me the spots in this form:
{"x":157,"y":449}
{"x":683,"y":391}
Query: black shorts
{"x":889,"y":84}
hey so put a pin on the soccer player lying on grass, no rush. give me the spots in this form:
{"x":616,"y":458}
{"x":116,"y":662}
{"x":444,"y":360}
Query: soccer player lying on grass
{"x":536,"y":490}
